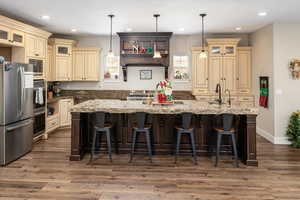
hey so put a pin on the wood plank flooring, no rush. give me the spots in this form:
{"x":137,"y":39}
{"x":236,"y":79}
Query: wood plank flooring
{"x":46,"y":173}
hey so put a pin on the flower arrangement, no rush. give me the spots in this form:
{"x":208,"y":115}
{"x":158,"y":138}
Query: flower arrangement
{"x":164,"y":91}
{"x":293,"y":129}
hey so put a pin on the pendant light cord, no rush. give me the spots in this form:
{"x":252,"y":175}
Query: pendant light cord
{"x":110,"y":43}
{"x":203,"y":42}
{"x":202,"y":33}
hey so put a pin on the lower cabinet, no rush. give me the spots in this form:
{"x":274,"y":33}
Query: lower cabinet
{"x":64,"y":112}
{"x":61,"y":116}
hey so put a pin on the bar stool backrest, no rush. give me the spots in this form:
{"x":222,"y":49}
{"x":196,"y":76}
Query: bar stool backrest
{"x":227,"y":121}
{"x":140,"y":118}
{"x":186,"y":120}
{"x":100,"y":119}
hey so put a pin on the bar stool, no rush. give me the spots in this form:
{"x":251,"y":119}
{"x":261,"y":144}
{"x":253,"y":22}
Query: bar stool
{"x":141,"y":127}
{"x":185,"y":128}
{"x":101,"y":128}
{"x":227,"y":129}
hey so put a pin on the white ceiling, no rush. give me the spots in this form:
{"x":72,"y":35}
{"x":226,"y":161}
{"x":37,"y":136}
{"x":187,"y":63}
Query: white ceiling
{"x":90,"y":16}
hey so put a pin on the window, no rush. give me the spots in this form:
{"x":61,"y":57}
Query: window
{"x":112,"y":69}
{"x":181,"y":67}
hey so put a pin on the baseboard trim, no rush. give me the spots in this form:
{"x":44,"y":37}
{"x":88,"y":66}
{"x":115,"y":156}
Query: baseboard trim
{"x":282,"y":140}
{"x":271,"y":138}
{"x":265,"y":134}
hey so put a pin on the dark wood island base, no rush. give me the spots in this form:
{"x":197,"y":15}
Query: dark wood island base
{"x":163,"y":134}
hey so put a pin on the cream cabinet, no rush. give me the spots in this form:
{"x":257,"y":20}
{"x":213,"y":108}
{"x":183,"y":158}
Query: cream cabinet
{"x":244,"y":70}
{"x":222,"y":71}
{"x":64,"y":111}
{"x":62,"y":59}
{"x":222,"y":63}
{"x":199,"y":73}
{"x":227,"y":65}
{"x":36,"y":47}
{"x":49,"y":64}
{"x":11,"y":37}
{"x":86,"y":64}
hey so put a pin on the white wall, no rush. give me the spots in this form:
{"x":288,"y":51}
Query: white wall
{"x":262,"y":65}
{"x":179,"y":45}
{"x":287,"y":90}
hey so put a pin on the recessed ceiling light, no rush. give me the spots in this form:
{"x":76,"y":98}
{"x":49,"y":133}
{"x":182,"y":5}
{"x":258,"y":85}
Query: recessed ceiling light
{"x":73,"y":30}
{"x":45,"y":17}
{"x":238,"y":28}
{"x":262,"y":14}
{"x":181,"y":29}
{"x":128,"y":29}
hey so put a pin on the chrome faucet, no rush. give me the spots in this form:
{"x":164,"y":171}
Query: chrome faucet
{"x":219,"y":90}
{"x":229,"y":100}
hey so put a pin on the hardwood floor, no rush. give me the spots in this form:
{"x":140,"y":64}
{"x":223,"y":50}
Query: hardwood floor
{"x":46,"y":173}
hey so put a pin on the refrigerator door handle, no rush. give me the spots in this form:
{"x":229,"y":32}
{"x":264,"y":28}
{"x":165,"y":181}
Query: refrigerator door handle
{"x":22,"y":92}
{"x":25,"y":123}
{"x":19,"y":92}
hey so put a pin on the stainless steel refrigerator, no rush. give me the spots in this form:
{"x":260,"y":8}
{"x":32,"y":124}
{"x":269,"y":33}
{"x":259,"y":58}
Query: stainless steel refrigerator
{"x":16,"y":111}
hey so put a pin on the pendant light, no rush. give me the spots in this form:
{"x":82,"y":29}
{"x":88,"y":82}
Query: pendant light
{"x":110,"y":52}
{"x":156,"y":53}
{"x":203,"y":53}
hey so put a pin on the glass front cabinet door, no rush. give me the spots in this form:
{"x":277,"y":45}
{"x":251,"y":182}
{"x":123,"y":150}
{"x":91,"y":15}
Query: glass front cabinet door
{"x":215,"y":50}
{"x":63,"y":50}
{"x":17,"y":38}
{"x":4,"y":35}
{"x":229,"y":50}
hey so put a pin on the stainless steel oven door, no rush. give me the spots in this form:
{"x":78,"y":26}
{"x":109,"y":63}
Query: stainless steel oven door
{"x":39,"y":123}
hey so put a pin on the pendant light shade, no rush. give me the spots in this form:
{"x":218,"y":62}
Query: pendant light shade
{"x":110,"y":52}
{"x":156,"y":53}
{"x":203,"y":53}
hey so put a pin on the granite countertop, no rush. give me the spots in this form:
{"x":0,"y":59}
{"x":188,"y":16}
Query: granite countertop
{"x":196,"y":107}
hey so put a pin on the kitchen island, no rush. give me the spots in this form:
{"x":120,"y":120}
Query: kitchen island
{"x":163,"y":120}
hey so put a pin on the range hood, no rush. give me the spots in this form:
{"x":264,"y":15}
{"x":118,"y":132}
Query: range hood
{"x":136,"y":50}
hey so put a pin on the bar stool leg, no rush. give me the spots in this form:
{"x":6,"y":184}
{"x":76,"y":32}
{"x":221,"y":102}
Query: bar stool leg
{"x":193,"y":147}
{"x":93,"y":147}
{"x":177,"y":146}
{"x":133,"y":145}
{"x":108,"y":144}
{"x":218,"y":149}
{"x":149,"y":144}
{"x":235,"y":151}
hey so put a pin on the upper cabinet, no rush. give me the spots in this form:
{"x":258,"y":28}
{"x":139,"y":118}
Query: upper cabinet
{"x":200,"y":75}
{"x":226,"y":64}
{"x":36,"y":46}
{"x":31,"y":43}
{"x":86,"y":64}
{"x":244,"y":69}
{"x":61,"y":69}
{"x":11,"y":37}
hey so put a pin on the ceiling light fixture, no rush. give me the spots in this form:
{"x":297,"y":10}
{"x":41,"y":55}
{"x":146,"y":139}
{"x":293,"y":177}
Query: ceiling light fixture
{"x":262,"y":14}
{"x":128,"y":29}
{"x":45,"y":17}
{"x":156,"y":52}
{"x":238,"y":28}
{"x":181,"y":29}
{"x":73,"y":30}
{"x":110,"y":52}
{"x":203,"y":53}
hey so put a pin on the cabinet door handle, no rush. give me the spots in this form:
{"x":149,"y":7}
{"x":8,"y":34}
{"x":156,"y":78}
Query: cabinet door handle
{"x":238,"y":79}
{"x":36,"y":54}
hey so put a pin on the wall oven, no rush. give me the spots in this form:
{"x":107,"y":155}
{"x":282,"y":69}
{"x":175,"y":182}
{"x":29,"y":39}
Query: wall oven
{"x":38,"y":66}
{"x":39,"y":97}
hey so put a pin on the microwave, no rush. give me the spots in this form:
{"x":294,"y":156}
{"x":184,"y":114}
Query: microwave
{"x":38,"y":66}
